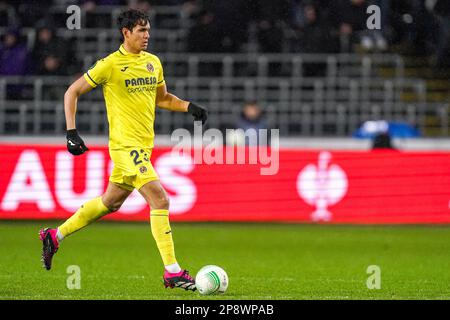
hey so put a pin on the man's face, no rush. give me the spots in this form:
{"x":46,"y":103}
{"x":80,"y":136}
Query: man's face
{"x":138,"y":37}
{"x":252,"y":111}
{"x":10,"y":40}
{"x":45,"y":35}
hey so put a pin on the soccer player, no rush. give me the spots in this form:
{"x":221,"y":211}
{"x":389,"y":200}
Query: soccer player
{"x":133,"y":85}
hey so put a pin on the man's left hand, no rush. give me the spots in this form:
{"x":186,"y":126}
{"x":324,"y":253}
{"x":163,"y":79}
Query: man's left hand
{"x":199,"y":113}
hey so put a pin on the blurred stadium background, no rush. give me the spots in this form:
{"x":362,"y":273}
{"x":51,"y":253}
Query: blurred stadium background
{"x":312,"y":65}
{"x":310,"y":68}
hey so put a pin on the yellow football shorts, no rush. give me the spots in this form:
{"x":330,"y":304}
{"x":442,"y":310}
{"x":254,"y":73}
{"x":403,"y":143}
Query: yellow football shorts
{"x":132,"y":167}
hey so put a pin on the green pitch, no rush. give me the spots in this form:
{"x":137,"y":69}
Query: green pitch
{"x":263,"y":261}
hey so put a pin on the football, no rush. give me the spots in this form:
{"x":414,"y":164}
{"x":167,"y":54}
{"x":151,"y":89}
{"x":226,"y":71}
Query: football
{"x":211,"y":279}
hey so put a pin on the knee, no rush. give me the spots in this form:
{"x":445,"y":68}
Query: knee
{"x":160,"y":202}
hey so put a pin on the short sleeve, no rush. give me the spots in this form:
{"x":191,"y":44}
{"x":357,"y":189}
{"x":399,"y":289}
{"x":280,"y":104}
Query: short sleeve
{"x":99,"y":73}
{"x":160,"y":75}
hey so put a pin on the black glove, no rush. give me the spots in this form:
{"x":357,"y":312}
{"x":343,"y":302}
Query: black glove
{"x":75,"y":144}
{"x":199,"y":113}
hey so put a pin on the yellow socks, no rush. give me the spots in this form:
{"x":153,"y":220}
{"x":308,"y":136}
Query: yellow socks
{"x":86,"y":214}
{"x":159,"y":221}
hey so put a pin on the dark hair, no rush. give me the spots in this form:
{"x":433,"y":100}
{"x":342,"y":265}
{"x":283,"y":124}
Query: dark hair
{"x":131,"y":18}
{"x":251,"y":103}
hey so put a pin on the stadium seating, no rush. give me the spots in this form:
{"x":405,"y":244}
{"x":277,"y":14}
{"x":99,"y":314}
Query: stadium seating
{"x":301,"y":94}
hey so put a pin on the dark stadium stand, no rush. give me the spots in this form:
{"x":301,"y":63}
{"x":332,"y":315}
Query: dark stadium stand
{"x":223,"y":56}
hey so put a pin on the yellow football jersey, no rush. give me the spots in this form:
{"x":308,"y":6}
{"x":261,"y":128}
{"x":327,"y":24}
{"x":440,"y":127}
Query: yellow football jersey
{"x":129,"y":87}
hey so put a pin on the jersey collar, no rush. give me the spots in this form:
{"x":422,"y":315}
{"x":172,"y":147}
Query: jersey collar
{"x":126,"y":53}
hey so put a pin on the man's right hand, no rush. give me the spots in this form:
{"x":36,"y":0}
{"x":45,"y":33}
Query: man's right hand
{"x":75,"y":144}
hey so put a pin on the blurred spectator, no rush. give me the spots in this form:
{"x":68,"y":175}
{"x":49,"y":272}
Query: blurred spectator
{"x":13,"y":62}
{"x":312,"y":32}
{"x":423,"y":28}
{"x":51,"y":57}
{"x":141,"y":5}
{"x":204,"y":33}
{"x":31,"y":11}
{"x":7,"y":15}
{"x":312,"y":35}
{"x":231,"y":20}
{"x":270,"y":36}
{"x":270,"y":16}
{"x":96,"y":18}
{"x":13,"y":55}
{"x":203,"y":37}
{"x":52,"y":66}
{"x":382,"y":141}
{"x":350,"y":18}
{"x":50,"y":54}
{"x":442,"y":11}
{"x":351,"y":22}
{"x":251,"y":118}
{"x":410,"y":25}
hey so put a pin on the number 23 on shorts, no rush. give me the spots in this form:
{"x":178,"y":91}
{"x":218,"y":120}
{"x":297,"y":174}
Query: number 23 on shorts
{"x":138,"y":155}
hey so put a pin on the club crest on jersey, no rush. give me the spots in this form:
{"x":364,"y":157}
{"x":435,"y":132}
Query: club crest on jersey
{"x":150,"y":67}
{"x":143,"y":169}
